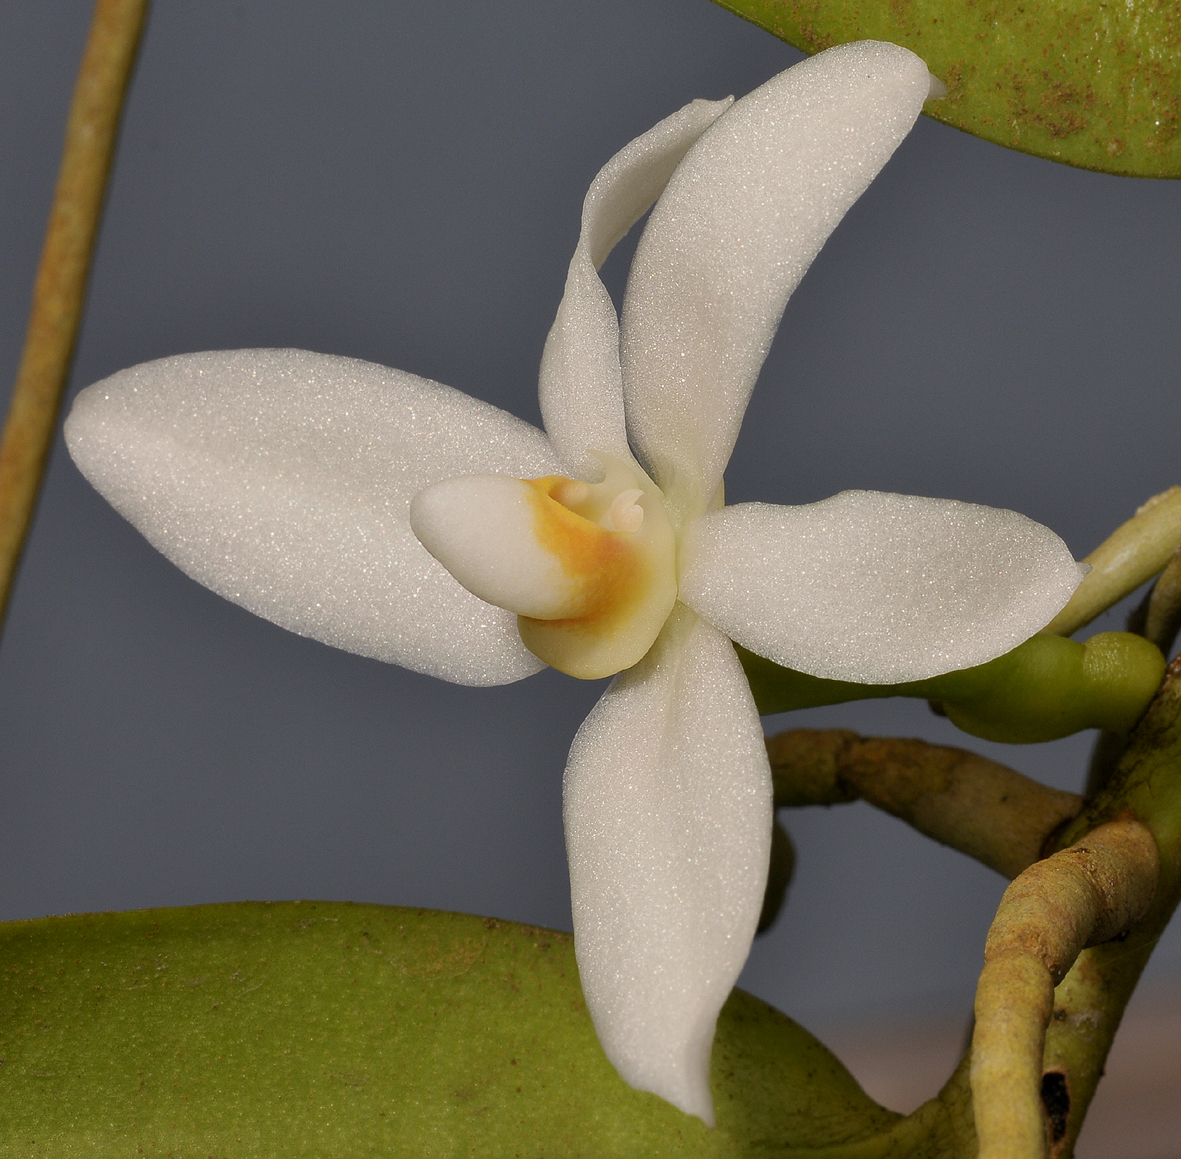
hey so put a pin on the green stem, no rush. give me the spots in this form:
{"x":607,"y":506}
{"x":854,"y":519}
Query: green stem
{"x":1129,"y":556}
{"x":60,"y":289}
{"x":1046,"y":688}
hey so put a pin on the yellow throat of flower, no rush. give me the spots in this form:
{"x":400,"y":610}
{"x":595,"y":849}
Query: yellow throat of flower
{"x":617,"y":551}
{"x":589,"y":568}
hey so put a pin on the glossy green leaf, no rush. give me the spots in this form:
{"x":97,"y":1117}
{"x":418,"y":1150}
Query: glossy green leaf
{"x":1091,"y":83}
{"x":330,"y":1029}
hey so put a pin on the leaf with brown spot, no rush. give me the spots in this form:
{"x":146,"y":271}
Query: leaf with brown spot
{"x":1078,"y":81}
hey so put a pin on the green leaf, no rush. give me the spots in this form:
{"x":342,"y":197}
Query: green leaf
{"x":330,"y":1029}
{"x":1093,"y":83}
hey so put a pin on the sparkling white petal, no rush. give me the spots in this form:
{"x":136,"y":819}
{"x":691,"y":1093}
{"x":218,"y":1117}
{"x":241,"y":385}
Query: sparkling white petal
{"x":876,"y":588}
{"x":739,"y":224}
{"x":668,"y":855}
{"x":282,"y":480}
{"x":580,"y":387}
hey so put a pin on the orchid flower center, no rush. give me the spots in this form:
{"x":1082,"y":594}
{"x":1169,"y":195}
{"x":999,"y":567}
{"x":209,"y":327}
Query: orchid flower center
{"x":589,"y":568}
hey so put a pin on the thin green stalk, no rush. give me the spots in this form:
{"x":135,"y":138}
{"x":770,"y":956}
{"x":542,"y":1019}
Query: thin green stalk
{"x":59,"y":292}
{"x":1131,"y":554}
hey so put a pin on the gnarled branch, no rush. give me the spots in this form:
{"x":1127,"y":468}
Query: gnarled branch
{"x":957,"y":798}
{"x":1082,"y":896}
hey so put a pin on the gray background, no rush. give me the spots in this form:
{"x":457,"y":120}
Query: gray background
{"x":401,"y":182}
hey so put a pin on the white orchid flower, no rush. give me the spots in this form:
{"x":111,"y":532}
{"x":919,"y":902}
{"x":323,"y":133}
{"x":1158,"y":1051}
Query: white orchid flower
{"x":400,"y":519}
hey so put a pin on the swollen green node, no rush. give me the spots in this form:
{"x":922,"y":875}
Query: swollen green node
{"x":1050,"y":687}
{"x":1046,"y":688}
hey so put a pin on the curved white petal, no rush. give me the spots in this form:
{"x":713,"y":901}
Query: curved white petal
{"x":876,"y":588}
{"x":740,"y":222}
{"x":580,"y":386}
{"x":668,"y":825}
{"x":282,"y":480}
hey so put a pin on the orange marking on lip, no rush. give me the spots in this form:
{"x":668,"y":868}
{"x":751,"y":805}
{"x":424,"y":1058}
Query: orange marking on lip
{"x":606,"y":571}
{"x":622,"y":584}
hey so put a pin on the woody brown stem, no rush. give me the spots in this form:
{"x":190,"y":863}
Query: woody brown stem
{"x":1090,"y":1000}
{"x":960,"y":799}
{"x":60,"y":289}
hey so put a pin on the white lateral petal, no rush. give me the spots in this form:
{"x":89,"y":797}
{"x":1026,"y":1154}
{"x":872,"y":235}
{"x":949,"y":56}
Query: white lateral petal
{"x":580,"y":386}
{"x":282,"y":480}
{"x":740,"y":222}
{"x":668,"y":826}
{"x":877,"y":588}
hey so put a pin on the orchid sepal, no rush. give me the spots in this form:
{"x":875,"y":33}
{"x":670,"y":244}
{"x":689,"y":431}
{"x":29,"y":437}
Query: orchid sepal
{"x":874,"y":587}
{"x":668,"y":862}
{"x":282,"y":480}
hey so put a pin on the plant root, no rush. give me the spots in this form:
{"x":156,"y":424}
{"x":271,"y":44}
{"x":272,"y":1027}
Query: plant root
{"x":1083,"y":896}
{"x":975,"y":805}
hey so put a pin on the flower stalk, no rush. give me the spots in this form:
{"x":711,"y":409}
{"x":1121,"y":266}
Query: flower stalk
{"x":59,"y":292}
{"x":1159,"y":617}
{"x":1136,"y":551}
{"x":1046,"y":688}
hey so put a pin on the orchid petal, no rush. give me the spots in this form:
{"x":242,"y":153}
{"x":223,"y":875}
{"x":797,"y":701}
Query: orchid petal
{"x":732,"y":235}
{"x":668,"y":827}
{"x":876,"y":588}
{"x":580,"y":386}
{"x":282,"y":480}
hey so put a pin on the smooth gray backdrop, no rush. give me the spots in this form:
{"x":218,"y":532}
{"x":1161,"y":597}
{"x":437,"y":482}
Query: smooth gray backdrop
{"x":402,"y":182}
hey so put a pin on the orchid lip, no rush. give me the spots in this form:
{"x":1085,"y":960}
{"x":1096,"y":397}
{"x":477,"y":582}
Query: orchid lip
{"x":589,"y":568}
